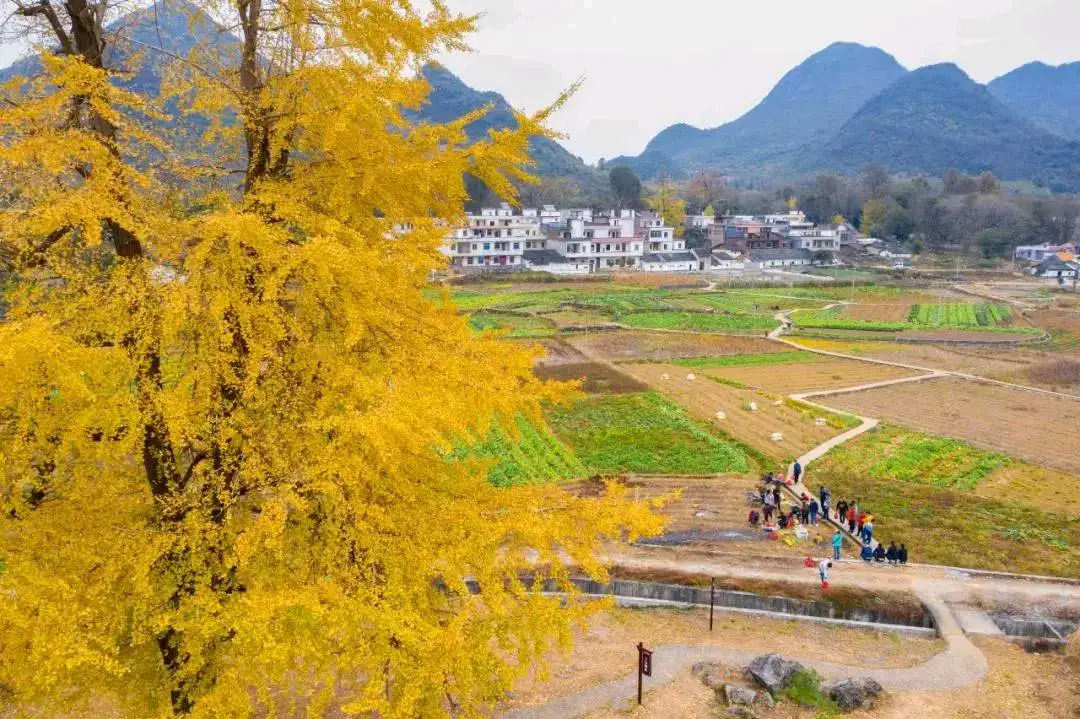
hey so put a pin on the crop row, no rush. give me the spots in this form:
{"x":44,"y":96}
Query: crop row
{"x":533,"y":456}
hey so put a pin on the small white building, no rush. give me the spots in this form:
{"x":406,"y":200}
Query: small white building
{"x":701,"y":222}
{"x":815,"y":239}
{"x":683,"y":261}
{"x":773,"y":259}
{"x":495,"y":239}
{"x":1038,"y":253}
{"x":725,"y":260}
{"x":551,"y":261}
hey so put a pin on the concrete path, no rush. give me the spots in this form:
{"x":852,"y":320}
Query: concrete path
{"x":959,"y":666}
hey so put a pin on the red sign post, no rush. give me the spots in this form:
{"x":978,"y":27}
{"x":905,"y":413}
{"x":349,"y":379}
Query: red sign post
{"x":644,"y":667}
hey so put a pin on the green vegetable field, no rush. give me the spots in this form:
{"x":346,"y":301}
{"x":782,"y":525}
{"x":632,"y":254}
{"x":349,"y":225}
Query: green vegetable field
{"x":644,"y":432}
{"x":534,"y":456}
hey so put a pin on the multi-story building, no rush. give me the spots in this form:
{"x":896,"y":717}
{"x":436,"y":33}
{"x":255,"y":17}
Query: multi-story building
{"x":604,"y":242}
{"x":495,"y":239}
{"x":815,"y":239}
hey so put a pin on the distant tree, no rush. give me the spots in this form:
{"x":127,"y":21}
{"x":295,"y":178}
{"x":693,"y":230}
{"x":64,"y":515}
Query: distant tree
{"x":837,"y":219}
{"x":696,"y":237}
{"x":898,"y":223}
{"x":821,"y":200}
{"x":625,"y":188}
{"x":558,"y":191}
{"x":706,"y":185}
{"x":821,"y":257}
{"x":957,"y":183}
{"x":872,"y":220}
{"x":988,"y":184}
{"x":709,"y":211}
{"x":671,"y":207}
{"x":601,"y":164}
{"x":995,"y":242}
{"x":875,"y":179}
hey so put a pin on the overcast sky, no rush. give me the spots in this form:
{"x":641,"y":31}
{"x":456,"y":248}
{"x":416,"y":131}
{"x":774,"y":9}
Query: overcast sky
{"x":650,"y":63}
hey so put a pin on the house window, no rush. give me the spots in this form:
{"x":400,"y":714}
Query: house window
{"x":487,"y":245}
{"x":517,"y":245}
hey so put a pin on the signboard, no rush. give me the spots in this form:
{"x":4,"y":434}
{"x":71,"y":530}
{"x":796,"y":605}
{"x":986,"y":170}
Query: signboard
{"x":645,"y":659}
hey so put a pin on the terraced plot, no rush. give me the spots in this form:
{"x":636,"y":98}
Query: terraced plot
{"x":643,"y":345}
{"x":876,"y":313}
{"x":1037,"y":427}
{"x":703,"y":397}
{"x":822,"y":373}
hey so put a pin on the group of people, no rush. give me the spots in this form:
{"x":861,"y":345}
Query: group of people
{"x":857,"y":521}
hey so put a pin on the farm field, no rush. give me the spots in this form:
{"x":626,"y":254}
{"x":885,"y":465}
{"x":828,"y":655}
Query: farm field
{"x":643,"y":345}
{"x":876,"y":313}
{"x":513,"y":324}
{"x":1035,"y":427}
{"x":595,"y":377}
{"x":644,"y":432}
{"x":821,"y":373}
{"x":700,"y":322}
{"x":527,"y":454}
{"x":704,"y":397}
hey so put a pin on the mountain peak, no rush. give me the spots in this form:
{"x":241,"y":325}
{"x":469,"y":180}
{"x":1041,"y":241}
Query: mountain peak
{"x":1047,"y":95}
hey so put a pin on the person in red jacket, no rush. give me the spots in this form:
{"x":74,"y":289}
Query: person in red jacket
{"x":851,"y":515}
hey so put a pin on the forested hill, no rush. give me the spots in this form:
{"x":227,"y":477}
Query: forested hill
{"x":1048,"y":96}
{"x":937,"y":118}
{"x":450,"y":98}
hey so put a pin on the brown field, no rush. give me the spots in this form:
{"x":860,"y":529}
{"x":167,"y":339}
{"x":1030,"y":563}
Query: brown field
{"x":1037,"y":427}
{"x":663,"y":279}
{"x":596,"y":377}
{"x":973,"y":360}
{"x":557,"y":351}
{"x":703,"y":397}
{"x":1065,"y":320}
{"x":825,"y":373}
{"x":1018,"y":686}
{"x":876,"y":313}
{"x":606,"y":649}
{"x":711,"y":513}
{"x":576,"y":317}
{"x":665,"y":345}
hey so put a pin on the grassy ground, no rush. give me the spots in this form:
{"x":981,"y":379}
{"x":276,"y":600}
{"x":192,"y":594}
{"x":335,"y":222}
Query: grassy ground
{"x":752,"y":360}
{"x":645,"y":433}
{"x":515,"y":325}
{"x":699,"y":322}
{"x":919,"y":489}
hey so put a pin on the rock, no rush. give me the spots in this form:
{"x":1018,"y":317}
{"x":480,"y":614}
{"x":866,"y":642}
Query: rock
{"x":777,"y":437}
{"x":710,"y":674}
{"x":665,"y":376}
{"x":691,"y":377}
{"x":852,"y":694}
{"x":766,"y":700}
{"x":734,"y":695}
{"x":721,"y":415}
{"x":753,"y":406}
{"x":741,"y":711}
{"x":773,"y":672}
{"x":705,"y":514}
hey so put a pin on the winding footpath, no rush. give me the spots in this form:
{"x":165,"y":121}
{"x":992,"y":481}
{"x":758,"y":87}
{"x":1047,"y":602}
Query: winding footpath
{"x":961,"y":665}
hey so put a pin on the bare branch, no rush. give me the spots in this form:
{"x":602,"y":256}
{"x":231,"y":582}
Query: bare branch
{"x":43,"y":7}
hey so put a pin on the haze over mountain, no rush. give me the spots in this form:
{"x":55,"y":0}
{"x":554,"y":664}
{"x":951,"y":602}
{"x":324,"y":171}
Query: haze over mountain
{"x":1048,"y":96}
{"x":178,"y":27}
{"x":851,"y":105}
{"x":806,"y":105}
{"x":937,"y":118}
{"x":450,"y":99}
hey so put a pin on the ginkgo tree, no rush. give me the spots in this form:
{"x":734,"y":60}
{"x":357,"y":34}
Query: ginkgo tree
{"x":227,"y":405}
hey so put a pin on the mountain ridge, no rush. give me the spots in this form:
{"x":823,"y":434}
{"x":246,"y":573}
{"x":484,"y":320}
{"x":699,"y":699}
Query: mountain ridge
{"x":1048,"y":95}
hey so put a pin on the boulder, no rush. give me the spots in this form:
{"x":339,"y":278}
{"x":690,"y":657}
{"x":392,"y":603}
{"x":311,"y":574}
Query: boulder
{"x":741,"y":712}
{"x":852,"y":694}
{"x":735,"y":695}
{"x":711,"y":674}
{"x":773,"y":672}
{"x":766,"y":700}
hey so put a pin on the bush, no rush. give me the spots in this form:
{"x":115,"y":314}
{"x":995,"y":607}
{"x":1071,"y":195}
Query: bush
{"x":805,"y":690}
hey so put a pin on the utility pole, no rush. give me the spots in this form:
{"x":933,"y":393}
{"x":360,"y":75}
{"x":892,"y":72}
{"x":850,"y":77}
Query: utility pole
{"x":712,"y":600}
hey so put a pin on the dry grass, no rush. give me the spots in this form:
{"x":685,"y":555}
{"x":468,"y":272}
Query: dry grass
{"x":642,"y":345}
{"x":606,"y":649}
{"x":821,"y":374}
{"x":704,"y":397}
{"x":876,"y":313}
{"x":1057,"y":373}
{"x":1037,"y":427}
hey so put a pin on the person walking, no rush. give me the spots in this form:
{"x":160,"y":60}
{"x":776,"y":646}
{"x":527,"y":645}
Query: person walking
{"x":796,"y":471}
{"x":837,"y":544}
{"x":851,"y":519}
{"x":825,"y":505}
{"x":823,"y":569}
{"x":813,"y":511}
{"x":868,"y":530}
{"x":841,"y":511}
{"x":776,"y":498}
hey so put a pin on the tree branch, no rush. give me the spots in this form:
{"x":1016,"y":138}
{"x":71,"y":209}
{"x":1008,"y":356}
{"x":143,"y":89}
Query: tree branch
{"x":45,"y":8}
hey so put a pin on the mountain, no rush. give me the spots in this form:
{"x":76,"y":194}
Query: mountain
{"x":450,"y":98}
{"x":937,"y":118}
{"x":1047,"y":96}
{"x":807,"y":105}
{"x":179,"y":27}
